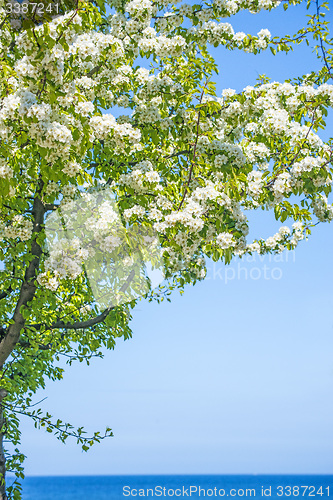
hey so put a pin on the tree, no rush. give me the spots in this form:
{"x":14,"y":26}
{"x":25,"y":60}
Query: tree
{"x":180,"y":164}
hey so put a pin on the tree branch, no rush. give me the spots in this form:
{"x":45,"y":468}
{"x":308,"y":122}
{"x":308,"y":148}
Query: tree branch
{"x":50,"y":206}
{"x":60,"y":324}
{"x":94,"y":70}
{"x":81,"y":324}
{"x":5,"y":294}
{"x":292,"y":161}
{"x":323,"y":51}
{"x":194,"y":153}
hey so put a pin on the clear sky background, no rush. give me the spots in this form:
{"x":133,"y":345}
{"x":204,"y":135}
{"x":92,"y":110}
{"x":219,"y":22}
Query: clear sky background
{"x":236,"y":376}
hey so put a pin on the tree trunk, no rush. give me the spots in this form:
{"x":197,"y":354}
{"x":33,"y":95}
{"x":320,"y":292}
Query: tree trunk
{"x":3,"y":496}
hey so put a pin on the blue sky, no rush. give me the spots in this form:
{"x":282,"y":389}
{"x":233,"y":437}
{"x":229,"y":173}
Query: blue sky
{"x":236,"y":376}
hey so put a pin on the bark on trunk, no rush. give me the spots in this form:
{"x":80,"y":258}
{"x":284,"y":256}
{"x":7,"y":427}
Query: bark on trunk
{"x":28,"y":287}
{"x":3,"y":496}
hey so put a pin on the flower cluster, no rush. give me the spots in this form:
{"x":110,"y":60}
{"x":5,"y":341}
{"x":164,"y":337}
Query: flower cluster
{"x":20,"y":228}
{"x":6,"y":172}
{"x":179,"y":159}
{"x":72,"y":168}
{"x":225,"y":240}
{"x":142,"y":178}
{"x":281,"y":185}
{"x":117,"y":135}
{"x":322,"y":209}
{"x":255,"y":184}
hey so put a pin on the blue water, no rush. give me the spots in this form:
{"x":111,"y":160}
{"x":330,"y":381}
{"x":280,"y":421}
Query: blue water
{"x":282,"y":487}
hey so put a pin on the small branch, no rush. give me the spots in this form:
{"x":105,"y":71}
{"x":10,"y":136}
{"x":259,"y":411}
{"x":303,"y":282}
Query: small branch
{"x":42,"y":347}
{"x":305,"y":138}
{"x":68,"y":23}
{"x":60,"y":429}
{"x":322,"y":44}
{"x":194,"y":151}
{"x":40,"y":91}
{"x":60,"y":324}
{"x":50,"y":206}
{"x":271,"y":182}
{"x":5,"y":294}
{"x":94,"y":70}
{"x":82,"y":324}
{"x":173,"y":155}
{"x":35,"y":37}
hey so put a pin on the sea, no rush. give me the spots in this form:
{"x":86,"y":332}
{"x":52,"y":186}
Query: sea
{"x":284,"y":487}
